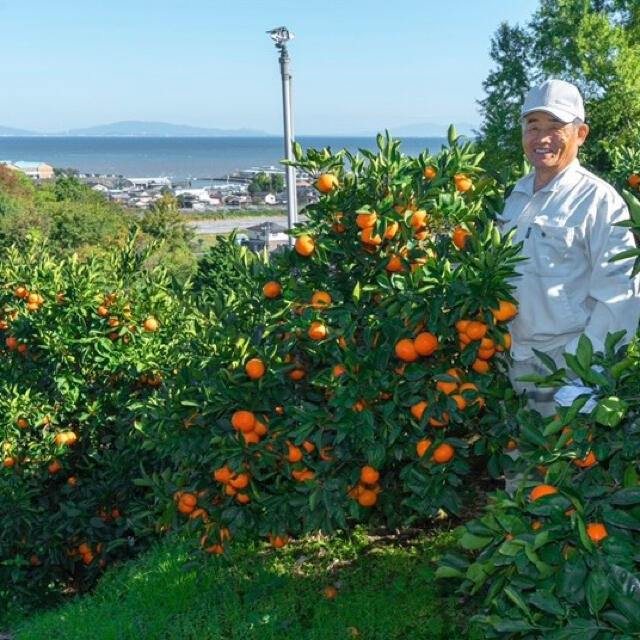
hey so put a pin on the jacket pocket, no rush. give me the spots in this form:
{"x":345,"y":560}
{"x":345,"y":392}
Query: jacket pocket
{"x":550,"y":250}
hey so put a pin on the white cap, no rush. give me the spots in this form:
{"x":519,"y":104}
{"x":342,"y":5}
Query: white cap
{"x":559,"y":98}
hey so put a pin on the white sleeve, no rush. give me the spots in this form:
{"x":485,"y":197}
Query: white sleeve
{"x":616,"y":295}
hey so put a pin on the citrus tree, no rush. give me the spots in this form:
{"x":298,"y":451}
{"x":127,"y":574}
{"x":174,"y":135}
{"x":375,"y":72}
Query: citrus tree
{"x":83,"y":346}
{"x":367,"y":379}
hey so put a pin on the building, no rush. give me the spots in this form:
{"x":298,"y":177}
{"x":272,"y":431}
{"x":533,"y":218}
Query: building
{"x":147,"y":183}
{"x":268,"y":234}
{"x":35,"y":170}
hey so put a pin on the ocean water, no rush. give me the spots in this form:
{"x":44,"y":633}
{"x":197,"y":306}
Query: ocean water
{"x":177,"y":158}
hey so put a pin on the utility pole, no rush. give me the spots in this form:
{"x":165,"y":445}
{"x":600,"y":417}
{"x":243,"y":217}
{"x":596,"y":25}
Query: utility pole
{"x":281,"y":35}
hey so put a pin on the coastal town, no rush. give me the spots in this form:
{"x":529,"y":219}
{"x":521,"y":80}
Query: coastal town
{"x":225,"y":194}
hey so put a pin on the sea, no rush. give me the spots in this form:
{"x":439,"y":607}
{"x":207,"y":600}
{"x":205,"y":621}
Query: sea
{"x":199,"y":160}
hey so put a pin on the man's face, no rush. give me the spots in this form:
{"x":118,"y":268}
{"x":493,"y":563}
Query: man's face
{"x":549,"y":144}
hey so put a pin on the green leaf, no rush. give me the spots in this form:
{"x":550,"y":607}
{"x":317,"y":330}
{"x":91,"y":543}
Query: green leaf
{"x":545,"y":601}
{"x":471,"y":542}
{"x":546,"y":360}
{"x":584,"y":352}
{"x":516,"y":598}
{"x":448,"y":572}
{"x":630,"y":495}
{"x":622,"y":519}
{"x":611,"y":411}
{"x":597,"y":590}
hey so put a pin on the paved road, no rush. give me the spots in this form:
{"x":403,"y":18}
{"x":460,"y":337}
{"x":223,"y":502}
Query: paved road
{"x":229,"y":224}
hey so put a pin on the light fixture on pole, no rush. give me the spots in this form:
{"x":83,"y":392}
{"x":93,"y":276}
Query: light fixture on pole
{"x":281,"y":35}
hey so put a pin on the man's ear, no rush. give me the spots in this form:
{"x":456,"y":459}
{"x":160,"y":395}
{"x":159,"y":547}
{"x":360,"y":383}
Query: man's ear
{"x":583,"y":132}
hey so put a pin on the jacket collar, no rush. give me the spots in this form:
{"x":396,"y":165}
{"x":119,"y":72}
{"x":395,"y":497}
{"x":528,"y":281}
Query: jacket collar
{"x":564,"y":178}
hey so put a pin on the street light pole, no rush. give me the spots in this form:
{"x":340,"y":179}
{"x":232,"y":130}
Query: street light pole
{"x":280,"y":36}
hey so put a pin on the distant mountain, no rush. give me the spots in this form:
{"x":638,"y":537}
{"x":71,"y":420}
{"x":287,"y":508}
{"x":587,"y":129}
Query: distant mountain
{"x":10,"y":131}
{"x":159,"y":129}
{"x":431,"y":130}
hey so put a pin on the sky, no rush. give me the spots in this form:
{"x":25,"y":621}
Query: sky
{"x":357,"y":65}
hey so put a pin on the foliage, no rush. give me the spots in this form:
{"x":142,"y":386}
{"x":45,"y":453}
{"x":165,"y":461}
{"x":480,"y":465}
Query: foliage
{"x":564,"y":565}
{"x":80,"y":361}
{"x":591,"y":43}
{"x":261,"y":182}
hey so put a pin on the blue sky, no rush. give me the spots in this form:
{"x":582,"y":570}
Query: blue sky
{"x":357,"y":65}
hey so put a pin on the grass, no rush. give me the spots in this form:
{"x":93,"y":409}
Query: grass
{"x":386,"y":589}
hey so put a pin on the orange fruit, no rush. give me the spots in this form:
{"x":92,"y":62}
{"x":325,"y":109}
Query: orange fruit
{"x":368,"y":238}
{"x":255,"y":368}
{"x":150,"y":324}
{"x":72,"y":481}
{"x":297,"y":374}
{"x":422,"y":447}
{"x":391,"y":230}
{"x":506,"y":311}
{"x":326,"y":182}
{"x":443,"y":453}
{"x":430,"y":172}
{"x":460,"y":236}
{"x":21,"y":292}
{"x":260,"y":429}
{"x":634,"y":180}
{"x":405,"y":350}
{"x":542,"y":490}
{"x":330,"y":593}
{"x":588,"y":461}
{"x":481,"y":366}
{"x":303,"y":475}
{"x":511,"y":445}
{"x":394,"y":264}
{"x":597,"y":531}
{"x":463,"y":183}
{"x":438,"y":424}
{"x":419,"y":235}
{"x":241,"y":481}
{"x":54,"y":467}
{"x":242,"y":498}
{"x":250,"y":438}
{"x":462,"y":325}
{"x":277,"y":542}
{"x":369,"y":475}
{"x":305,"y":245}
{"x":476,"y":330}
{"x":337,"y":226}
{"x":418,"y":219}
{"x":295,"y":454}
{"x":22,"y":423}
{"x":9,"y":462}
{"x":446,"y":387}
{"x":66,"y":438}
{"x":366,"y":220}
{"x":338,"y":370}
{"x":367,"y":498}
{"x":486,"y":354}
{"x":418,"y":409}
{"x":187,"y":503}
{"x":272,"y":289}
{"x":317,"y":331}
{"x":425,"y":343}
{"x":320,"y":300}
{"x":243,"y":421}
{"x":309,"y":447}
{"x":11,"y":342}
{"x":460,"y":401}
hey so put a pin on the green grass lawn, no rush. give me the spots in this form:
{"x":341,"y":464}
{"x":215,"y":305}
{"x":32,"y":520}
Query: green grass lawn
{"x":386,"y":590}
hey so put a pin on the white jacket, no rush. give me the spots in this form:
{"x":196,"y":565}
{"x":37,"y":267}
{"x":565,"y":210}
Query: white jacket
{"x":567,"y":285}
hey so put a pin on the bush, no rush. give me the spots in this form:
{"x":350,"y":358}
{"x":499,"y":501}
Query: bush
{"x":335,"y":398}
{"x":84,"y":346}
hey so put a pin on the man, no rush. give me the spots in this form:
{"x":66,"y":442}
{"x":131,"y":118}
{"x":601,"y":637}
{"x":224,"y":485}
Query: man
{"x":565,"y":217}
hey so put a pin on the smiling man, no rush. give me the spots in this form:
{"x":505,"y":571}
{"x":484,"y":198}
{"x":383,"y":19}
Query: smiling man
{"x":565,"y":215}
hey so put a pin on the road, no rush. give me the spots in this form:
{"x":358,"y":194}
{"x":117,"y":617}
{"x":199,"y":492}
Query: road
{"x":229,"y":224}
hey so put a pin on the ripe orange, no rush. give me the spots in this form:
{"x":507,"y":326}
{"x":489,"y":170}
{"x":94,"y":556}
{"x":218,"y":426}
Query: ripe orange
{"x":305,"y":245}
{"x":255,"y":368}
{"x":320,"y":300}
{"x":418,"y":409}
{"x":446,"y":387}
{"x":11,"y":342}
{"x":338,"y":370}
{"x":297,"y":374}
{"x":463,"y":183}
{"x":150,"y":324}
{"x":367,"y":498}
{"x":395,"y":264}
{"x":326,"y":182}
{"x":9,"y":462}
{"x":425,"y":343}
{"x":391,"y":230}
{"x":260,"y":429}
{"x":240,"y":481}
{"x":295,"y":454}
{"x":462,"y":325}
{"x":187,"y":503}
{"x":309,"y":447}
{"x":66,"y":438}
{"x":317,"y":331}
{"x":597,"y":531}
{"x":460,"y":236}
{"x":506,"y":311}
{"x":476,"y":330}
{"x":418,"y":219}
{"x":243,"y":421}
{"x":303,"y":475}
{"x":422,"y":447}
{"x":460,"y":401}
{"x":438,"y":424}
{"x":330,"y":593}
{"x":242,"y":498}
{"x":366,"y":220}
{"x":587,"y":461}
{"x":430,"y":172}
{"x":277,"y":542}
{"x":22,"y":423}
{"x":443,"y":453}
{"x":481,"y":366}
{"x":54,"y":467}
{"x":272,"y":289}
{"x":405,"y":350}
{"x":634,"y":180}
{"x":369,"y":239}
{"x":511,"y":445}
{"x":250,"y":438}
{"x":542,"y":490}
{"x":486,"y":354}
{"x":369,"y":475}
{"x":21,"y":292}
{"x":72,"y":481}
